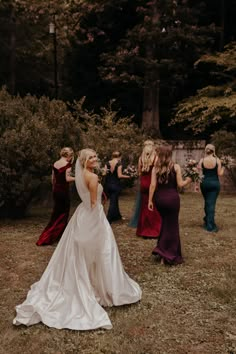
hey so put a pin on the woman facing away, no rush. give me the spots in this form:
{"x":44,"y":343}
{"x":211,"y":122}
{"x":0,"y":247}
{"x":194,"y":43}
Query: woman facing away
{"x":85,"y":272}
{"x":113,"y":186}
{"x":210,"y":185}
{"x":149,"y":222}
{"x":61,"y":177}
{"x":166,"y":177}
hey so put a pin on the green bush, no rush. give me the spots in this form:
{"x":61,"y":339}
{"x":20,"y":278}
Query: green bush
{"x":225,"y":143}
{"x":32,"y":133}
{"x":33,"y":130}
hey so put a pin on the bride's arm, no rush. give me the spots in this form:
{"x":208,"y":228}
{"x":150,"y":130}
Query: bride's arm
{"x":93,"y":187}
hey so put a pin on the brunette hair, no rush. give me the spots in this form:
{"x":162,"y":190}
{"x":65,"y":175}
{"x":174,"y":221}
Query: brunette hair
{"x":164,"y":163}
{"x":116,"y":154}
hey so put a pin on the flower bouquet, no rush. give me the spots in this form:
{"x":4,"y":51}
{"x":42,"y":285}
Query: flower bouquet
{"x":227,"y":161}
{"x":101,"y":171}
{"x":191,"y":170}
{"x":131,"y":171}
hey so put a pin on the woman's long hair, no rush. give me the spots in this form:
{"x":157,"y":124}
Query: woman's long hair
{"x":147,"y":157}
{"x":164,"y":163}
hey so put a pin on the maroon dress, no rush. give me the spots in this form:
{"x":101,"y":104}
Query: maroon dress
{"x":60,"y":214}
{"x":149,"y":222}
{"x":168,"y":204}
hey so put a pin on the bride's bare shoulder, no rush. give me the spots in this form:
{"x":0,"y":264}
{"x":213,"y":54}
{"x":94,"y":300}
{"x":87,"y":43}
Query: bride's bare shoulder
{"x":90,"y":177}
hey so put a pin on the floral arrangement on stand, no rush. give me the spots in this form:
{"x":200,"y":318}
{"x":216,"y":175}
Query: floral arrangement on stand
{"x":191,"y":170}
{"x":227,"y":161}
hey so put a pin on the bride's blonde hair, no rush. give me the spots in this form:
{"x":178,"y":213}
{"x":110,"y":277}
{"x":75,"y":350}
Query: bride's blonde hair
{"x":148,"y":155}
{"x":164,"y":163}
{"x":84,"y":155}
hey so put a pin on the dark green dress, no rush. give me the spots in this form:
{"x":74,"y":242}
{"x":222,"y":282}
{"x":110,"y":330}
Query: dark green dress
{"x":210,"y":188}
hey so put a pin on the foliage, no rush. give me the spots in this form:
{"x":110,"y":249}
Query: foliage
{"x":33,"y":132}
{"x":225,"y":143}
{"x":213,"y":106}
{"x":107,"y":132}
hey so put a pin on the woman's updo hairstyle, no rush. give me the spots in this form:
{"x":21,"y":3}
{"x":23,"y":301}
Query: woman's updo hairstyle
{"x":116,"y":155}
{"x":148,"y":143}
{"x":210,"y":150}
{"x":67,"y":152}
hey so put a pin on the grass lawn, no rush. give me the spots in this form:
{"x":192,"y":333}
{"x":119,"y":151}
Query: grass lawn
{"x":190,"y":308}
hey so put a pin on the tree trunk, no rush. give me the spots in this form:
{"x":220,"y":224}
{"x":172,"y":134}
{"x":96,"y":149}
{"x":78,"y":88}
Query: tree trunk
{"x":151,"y":113}
{"x":12,"y":61}
{"x":222,"y":25}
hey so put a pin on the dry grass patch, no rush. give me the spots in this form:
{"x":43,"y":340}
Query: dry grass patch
{"x":185,"y":309}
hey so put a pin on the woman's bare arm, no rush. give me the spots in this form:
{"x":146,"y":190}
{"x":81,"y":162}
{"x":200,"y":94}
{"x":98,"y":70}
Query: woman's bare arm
{"x":180,"y":181}
{"x":220,"y":169}
{"x":152,"y":188}
{"x":69,"y":178}
{"x":120,"y":174}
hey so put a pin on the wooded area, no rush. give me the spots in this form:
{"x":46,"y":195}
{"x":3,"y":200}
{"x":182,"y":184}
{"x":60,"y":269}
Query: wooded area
{"x":139,"y":53}
{"x":102,"y":73}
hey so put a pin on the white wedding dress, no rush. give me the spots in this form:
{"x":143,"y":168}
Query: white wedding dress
{"x":84,"y":274}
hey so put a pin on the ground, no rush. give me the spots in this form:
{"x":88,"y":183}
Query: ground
{"x":188,"y":308}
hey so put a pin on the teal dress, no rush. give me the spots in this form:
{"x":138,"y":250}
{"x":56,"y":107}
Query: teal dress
{"x":210,"y":188}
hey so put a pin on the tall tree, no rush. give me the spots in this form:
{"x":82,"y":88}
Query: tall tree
{"x":154,"y":51}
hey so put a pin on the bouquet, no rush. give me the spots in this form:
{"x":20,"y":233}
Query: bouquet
{"x":101,"y":171}
{"x":131,"y":171}
{"x":227,"y":161}
{"x":191,"y":170}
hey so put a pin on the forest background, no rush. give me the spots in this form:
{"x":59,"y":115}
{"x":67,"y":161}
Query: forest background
{"x":79,"y":73}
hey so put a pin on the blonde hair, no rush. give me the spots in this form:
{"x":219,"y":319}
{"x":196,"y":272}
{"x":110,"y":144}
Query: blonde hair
{"x":67,"y":152}
{"x":210,"y":150}
{"x":84,"y":155}
{"x":164,"y":163}
{"x":148,"y":142}
{"x":148,"y":156}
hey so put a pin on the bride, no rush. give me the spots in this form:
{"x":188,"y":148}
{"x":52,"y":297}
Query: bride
{"x":85,"y":272}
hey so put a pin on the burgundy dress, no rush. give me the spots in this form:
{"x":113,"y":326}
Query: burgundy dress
{"x":149,"y":222}
{"x":168,"y":204}
{"x":60,"y":214}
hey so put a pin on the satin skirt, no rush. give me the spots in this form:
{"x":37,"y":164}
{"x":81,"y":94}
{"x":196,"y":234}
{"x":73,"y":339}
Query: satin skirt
{"x":84,"y":275}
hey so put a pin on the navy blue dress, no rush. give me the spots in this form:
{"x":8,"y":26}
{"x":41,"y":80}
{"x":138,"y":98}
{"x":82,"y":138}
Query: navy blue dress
{"x":167,"y":202}
{"x":112,"y":189}
{"x":210,"y":188}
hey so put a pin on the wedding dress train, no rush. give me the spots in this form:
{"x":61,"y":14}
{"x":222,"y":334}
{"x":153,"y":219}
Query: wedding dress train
{"x":84,"y":274}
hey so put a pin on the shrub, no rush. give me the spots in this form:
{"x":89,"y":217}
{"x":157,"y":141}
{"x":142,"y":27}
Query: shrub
{"x":33,"y":132}
{"x":225,"y":143}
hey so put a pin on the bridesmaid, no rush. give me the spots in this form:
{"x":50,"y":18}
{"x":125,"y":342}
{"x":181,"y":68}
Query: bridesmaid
{"x":61,"y":176}
{"x":113,"y":186}
{"x":149,"y":222}
{"x":166,"y":177}
{"x":210,"y":186}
